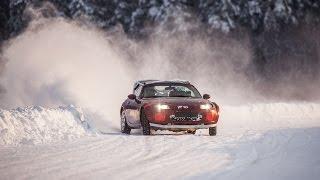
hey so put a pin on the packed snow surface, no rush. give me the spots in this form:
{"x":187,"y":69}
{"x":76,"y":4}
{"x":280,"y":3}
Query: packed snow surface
{"x":256,"y":141}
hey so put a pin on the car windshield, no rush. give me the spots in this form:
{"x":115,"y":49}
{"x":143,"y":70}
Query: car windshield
{"x":170,"y":90}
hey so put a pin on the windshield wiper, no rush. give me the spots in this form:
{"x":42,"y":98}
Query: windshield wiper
{"x":165,"y":96}
{"x":180,"y":96}
{"x":154,"y":96}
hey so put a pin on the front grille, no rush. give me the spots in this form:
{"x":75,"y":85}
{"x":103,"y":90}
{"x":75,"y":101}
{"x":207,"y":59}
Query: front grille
{"x":186,"y":114}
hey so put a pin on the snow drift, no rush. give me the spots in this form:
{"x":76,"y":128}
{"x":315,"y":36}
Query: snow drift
{"x":35,"y":125}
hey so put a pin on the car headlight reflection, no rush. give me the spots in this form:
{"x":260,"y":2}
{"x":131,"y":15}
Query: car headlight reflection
{"x":162,"y":106}
{"x":205,"y":106}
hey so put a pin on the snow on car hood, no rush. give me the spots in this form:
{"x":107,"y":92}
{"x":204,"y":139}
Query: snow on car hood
{"x":37,"y":125}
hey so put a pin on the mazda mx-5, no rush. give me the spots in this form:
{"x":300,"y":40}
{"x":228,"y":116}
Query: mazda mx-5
{"x":173,"y":105}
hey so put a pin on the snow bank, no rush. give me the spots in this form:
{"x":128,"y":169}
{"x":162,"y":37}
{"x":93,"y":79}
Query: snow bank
{"x":37,"y":125}
{"x":269,"y":116}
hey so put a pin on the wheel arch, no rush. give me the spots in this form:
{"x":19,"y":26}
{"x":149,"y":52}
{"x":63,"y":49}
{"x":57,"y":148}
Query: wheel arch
{"x":121,"y":109}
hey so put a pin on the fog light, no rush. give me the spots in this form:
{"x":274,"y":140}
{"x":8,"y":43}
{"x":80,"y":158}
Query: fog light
{"x":159,"y":116}
{"x":211,"y":116}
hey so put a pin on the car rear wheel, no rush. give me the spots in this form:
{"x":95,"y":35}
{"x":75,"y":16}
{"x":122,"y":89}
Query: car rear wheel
{"x":213,"y":131}
{"x":145,"y":124}
{"x":125,"y":128}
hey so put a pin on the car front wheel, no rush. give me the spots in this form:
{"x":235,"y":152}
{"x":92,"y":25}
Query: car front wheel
{"x":145,"y":124}
{"x":125,"y":128}
{"x":213,"y":131}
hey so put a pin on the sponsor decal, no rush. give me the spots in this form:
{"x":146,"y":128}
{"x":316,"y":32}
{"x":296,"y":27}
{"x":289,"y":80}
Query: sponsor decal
{"x":183,"y":107}
{"x":186,"y":118}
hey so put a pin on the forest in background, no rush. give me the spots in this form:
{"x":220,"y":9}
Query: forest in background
{"x":283,"y":35}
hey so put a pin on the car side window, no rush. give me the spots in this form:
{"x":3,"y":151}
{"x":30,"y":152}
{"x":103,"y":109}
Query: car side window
{"x":137,"y":91}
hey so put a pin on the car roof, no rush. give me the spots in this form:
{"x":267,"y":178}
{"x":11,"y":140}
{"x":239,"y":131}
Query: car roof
{"x":151,"y":81}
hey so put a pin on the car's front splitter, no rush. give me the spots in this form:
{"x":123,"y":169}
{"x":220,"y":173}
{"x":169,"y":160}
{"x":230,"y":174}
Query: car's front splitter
{"x":182,"y":127}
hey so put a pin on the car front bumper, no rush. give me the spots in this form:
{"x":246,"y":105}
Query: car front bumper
{"x":182,"y":127}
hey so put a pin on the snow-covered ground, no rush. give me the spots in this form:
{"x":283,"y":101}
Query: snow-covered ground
{"x":261,"y":141}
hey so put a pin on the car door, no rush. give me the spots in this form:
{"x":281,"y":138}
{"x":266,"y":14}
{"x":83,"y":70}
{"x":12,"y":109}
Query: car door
{"x":133,"y":109}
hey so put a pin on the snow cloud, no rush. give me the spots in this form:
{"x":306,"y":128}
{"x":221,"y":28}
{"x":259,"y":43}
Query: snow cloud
{"x":58,"y":63}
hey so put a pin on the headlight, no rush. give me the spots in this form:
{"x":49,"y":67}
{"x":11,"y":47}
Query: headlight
{"x":205,"y":106}
{"x":162,"y":106}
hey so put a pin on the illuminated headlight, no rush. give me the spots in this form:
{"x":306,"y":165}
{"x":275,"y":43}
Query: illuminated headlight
{"x":162,"y":106}
{"x":205,"y":106}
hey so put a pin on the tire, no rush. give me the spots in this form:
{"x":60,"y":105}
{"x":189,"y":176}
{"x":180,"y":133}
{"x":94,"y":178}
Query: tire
{"x":192,"y":131}
{"x":213,"y":131}
{"x":125,"y":128}
{"x":145,"y":124}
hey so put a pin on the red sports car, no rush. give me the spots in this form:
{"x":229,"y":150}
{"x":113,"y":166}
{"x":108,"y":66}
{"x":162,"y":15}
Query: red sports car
{"x":172,"y":105}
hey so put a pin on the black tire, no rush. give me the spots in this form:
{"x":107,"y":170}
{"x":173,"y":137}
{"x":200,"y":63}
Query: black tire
{"x":145,"y":124}
{"x":192,"y":131}
{"x":125,"y":128}
{"x":213,"y":131}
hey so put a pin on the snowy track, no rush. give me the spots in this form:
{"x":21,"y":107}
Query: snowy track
{"x":284,"y":148}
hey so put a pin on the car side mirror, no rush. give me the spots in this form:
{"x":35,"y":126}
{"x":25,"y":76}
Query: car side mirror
{"x":206,"y":96}
{"x":132,"y":96}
